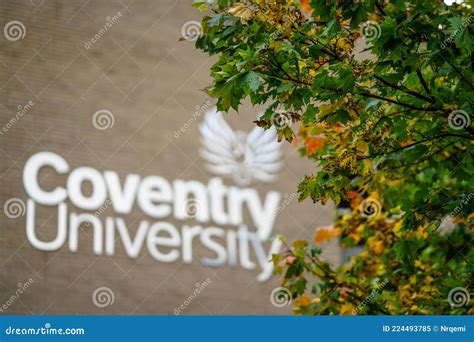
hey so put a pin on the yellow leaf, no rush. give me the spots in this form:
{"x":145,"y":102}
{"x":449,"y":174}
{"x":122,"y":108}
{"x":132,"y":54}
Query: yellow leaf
{"x":378,"y":247}
{"x":344,"y":45}
{"x":352,"y":112}
{"x":325,"y":109}
{"x":354,"y":237}
{"x":304,"y":300}
{"x":323,"y":234}
{"x":301,"y":64}
{"x":299,"y":244}
{"x":397,"y":227}
{"x":362,"y":146}
{"x":347,"y":309}
{"x":241,"y":11}
{"x":420,"y":233}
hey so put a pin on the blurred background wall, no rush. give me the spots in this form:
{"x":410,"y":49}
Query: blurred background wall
{"x":53,"y":78}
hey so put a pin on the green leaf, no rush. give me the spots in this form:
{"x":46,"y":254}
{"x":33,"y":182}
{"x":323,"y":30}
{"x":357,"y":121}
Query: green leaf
{"x":252,"y":80}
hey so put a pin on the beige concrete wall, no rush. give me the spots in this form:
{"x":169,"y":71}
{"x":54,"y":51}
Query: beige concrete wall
{"x":151,"y":83}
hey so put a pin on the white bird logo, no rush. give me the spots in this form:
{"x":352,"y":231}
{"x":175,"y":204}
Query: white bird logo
{"x":245,"y":157}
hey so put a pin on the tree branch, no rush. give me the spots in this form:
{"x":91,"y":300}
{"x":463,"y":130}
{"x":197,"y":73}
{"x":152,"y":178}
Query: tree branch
{"x":401,"y":148}
{"x":423,"y":82}
{"x":404,"y":89}
{"x":427,"y":109}
{"x":379,"y":7}
{"x":386,"y":116}
{"x":459,"y":72}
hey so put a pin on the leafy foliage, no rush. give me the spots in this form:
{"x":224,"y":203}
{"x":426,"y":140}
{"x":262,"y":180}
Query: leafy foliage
{"x":382,"y":92}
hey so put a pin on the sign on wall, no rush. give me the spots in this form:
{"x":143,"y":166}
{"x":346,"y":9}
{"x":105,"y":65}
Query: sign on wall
{"x":216,"y":209}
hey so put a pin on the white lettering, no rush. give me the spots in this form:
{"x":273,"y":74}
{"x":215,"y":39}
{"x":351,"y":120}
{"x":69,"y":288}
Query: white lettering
{"x":74,"y":188}
{"x":122,"y":199}
{"x":157,"y":198}
{"x":30,"y":178}
{"x":173,"y":240}
{"x":154,"y":190}
{"x":58,"y":242}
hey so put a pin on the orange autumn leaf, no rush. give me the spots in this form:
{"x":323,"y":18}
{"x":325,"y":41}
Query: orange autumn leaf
{"x":319,"y":62}
{"x":338,"y":127}
{"x":355,"y":237}
{"x":355,"y":198}
{"x":300,"y":244}
{"x":321,"y":125}
{"x":325,"y":234}
{"x":306,"y":7}
{"x":406,"y":143}
{"x":314,"y":143}
{"x":304,"y":300}
{"x":378,"y":247}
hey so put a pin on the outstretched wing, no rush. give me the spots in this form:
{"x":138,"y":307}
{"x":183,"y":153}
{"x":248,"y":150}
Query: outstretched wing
{"x":217,"y":141}
{"x":264,"y":153}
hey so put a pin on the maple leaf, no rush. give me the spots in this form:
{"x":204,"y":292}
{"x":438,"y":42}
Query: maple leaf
{"x":243,"y":12}
{"x":314,"y":143}
{"x":325,"y":233}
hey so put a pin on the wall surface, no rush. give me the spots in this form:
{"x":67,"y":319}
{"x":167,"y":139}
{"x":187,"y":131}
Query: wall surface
{"x":150,"y":86}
